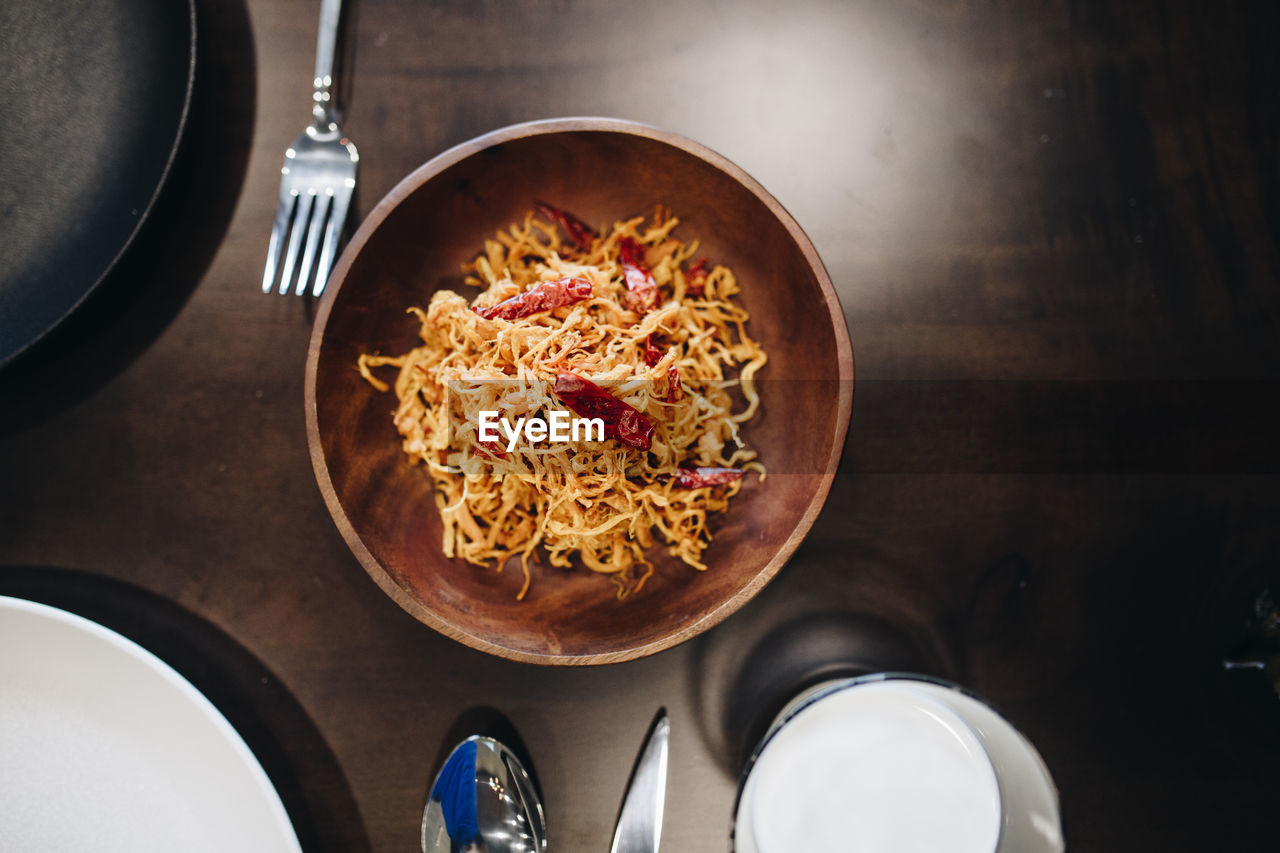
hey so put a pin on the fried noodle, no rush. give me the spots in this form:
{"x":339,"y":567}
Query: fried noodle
{"x":603,"y":503}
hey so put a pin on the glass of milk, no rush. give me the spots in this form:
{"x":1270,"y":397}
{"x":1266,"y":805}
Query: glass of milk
{"x":895,"y":763}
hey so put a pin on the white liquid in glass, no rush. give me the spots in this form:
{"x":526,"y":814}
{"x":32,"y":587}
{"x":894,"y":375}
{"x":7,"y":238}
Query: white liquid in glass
{"x":884,"y":767}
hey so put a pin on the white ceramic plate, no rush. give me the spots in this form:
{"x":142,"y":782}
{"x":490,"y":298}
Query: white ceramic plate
{"x":104,"y":747}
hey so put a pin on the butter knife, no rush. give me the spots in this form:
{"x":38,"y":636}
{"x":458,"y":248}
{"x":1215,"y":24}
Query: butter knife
{"x":639,"y":827}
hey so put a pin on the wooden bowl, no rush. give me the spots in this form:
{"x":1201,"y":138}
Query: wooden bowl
{"x":415,"y":242}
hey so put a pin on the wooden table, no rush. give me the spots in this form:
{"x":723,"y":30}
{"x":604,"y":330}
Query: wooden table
{"x":1053,"y":228}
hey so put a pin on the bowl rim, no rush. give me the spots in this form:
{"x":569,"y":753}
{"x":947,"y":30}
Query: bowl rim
{"x":437,"y":165}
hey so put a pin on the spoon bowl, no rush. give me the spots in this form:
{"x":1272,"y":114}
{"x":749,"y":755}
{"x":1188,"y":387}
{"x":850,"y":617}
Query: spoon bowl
{"x":483,"y":801}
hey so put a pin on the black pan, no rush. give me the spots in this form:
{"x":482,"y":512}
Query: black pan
{"x":95,"y":95}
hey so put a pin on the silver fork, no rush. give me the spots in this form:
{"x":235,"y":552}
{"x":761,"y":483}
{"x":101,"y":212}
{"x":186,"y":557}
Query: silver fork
{"x":318,"y":176}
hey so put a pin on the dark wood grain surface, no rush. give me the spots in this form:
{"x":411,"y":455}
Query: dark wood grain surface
{"x":1053,"y":229}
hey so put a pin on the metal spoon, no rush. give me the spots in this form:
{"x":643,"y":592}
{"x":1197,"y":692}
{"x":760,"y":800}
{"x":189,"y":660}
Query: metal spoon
{"x":482,"y":801}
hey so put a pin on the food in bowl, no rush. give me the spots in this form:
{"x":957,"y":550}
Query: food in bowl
{"x":627,"y":370}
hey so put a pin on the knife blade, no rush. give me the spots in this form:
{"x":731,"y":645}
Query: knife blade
{"x":639,"y":827}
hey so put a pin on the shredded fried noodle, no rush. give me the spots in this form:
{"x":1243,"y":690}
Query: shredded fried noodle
{"x":681,"y":357}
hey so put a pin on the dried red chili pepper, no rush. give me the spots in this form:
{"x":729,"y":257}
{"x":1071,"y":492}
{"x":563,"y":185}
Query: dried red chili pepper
{"x":580,"y":233}
{"x":491,"y":448}
{"x":541,"y":297}
{"x":696,"y":478}
{"x":696,"y":278}
{"x":674,"y":392}
{"x":642,"y":290}
{"x":621,"y":421}
{"x":652,"y":355}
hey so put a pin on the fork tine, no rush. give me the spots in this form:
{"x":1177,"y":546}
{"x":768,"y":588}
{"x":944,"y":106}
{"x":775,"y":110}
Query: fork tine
{"x":313,"y":242}
{"x":331,"y":236}
{"x":305,"y":203}
{"x":284,"y":212}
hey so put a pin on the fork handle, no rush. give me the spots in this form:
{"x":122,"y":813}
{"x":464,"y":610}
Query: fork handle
{"x":326,"y":43}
